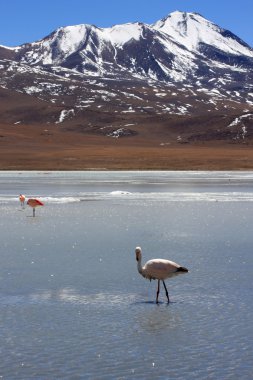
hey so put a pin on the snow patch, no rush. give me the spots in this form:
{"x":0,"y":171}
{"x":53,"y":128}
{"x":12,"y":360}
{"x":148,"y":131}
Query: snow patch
{"x":64,"y":115}
{"x":239,"y":120}
{"x":32,"y":90}
{"x":121,"y":34}
{"x":130,"y":110}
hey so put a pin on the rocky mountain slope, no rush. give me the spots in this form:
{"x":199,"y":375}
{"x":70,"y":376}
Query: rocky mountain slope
{"x":181,"y":80}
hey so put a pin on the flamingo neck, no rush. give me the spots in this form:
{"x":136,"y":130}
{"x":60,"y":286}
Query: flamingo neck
{"x":139,"y":266}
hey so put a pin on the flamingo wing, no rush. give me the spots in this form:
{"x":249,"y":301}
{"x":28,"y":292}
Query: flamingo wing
{"x":34,"y":202}
{"x":39,"y":203}
{"x":160,"y":269}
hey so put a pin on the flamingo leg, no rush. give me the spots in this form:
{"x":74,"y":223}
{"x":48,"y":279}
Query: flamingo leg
{"x":158,"y":291}
{"x":166,"y":291}
{"x":33,"y":212}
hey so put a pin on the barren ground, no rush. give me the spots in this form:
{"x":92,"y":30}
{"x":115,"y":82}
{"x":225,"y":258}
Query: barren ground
{"x":35,"y":148}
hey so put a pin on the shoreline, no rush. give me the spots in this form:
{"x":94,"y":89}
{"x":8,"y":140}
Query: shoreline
{"x":175,"y":159}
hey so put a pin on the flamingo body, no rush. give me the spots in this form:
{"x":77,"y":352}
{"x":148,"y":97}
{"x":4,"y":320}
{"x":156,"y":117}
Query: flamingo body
{"x":158,"y":269}
{"x":22,"y":200}
{"x":33,"y":202}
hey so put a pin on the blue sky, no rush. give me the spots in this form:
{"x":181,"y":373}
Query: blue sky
{"x":30,"y":20}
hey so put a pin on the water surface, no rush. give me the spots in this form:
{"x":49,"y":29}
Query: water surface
{"x":72,"y":304}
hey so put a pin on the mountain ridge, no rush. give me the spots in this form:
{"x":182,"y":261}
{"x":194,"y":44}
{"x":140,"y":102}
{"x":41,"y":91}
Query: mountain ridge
{"x":191,"y":85}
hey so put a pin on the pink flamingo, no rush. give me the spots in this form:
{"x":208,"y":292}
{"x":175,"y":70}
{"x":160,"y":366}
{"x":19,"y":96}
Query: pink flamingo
{"x":33,"y":202}
{"x":22,"y":200}
{"x":158,"y":269}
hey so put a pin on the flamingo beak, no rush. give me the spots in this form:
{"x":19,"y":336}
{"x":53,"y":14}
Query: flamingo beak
{"x":137,"y":256}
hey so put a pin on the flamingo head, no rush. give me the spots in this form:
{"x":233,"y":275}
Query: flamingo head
{"x":138,"y":253}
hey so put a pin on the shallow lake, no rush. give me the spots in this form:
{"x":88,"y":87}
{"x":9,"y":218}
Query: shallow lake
{"x":72,"y":303}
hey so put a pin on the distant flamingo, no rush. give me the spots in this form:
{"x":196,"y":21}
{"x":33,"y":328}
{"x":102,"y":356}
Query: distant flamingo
{"x":158,"y":269}
{"x":33,"y":202}
{"x":22,"y":200}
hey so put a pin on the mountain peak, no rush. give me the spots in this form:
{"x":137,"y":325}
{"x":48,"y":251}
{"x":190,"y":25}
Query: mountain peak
{"x":122,"y":33}
{"x":183,"y":16}
{"x":192,"y":30}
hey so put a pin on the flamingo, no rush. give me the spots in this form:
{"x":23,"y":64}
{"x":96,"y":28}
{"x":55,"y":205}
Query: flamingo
{"x":158,"y":269}
{"x":22,"y":200}
{"x":33,"y":202}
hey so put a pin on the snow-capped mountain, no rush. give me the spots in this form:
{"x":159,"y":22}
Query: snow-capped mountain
{"x":182,"y":65}
{"x":173,"y":49}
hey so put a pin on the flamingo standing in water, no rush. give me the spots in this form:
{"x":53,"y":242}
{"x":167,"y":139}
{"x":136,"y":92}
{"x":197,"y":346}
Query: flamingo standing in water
{"x":22,"y":200}
{"x":158,"y":269}
{"x":33,"y":202}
